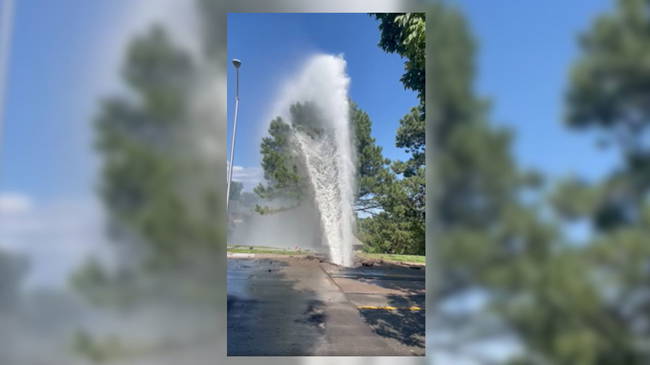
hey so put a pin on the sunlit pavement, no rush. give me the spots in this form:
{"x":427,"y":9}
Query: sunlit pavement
{"x":296,"y":306}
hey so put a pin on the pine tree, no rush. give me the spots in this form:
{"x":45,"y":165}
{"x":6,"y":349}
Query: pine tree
{"x":285,"y":175}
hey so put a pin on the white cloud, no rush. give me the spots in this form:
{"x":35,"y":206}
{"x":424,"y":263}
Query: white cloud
{"x":14,"y":203}
{"x":248,"y":176}
{"x":55,"y":236}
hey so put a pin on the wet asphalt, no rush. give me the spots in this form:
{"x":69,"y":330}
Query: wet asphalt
{"x":297,"y":306}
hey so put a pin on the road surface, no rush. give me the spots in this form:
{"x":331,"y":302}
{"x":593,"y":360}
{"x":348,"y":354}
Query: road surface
{"x":301,"y":306}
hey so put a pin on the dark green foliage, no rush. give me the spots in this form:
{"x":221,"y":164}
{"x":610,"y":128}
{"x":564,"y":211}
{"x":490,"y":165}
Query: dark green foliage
{"x":609,"y":83}
{"x":609,"y":93}
{"x":391,"y":209}
{"x":487,"y":239}
{"x":285,"y":173}
{"x":160,"y":74}
{"x":145,"y":170}
{"x":411,"y":136}
{"x":399,"y":227}
{"x":403,"y":33}
{"x":607,"y":277}
{"x":284,"y":170}
{"x":157,"y":184}
{"x":477,"y":175}
{"x":588,"y":303}
{"x":373,"y":175}
{"x":574,"y":199}
{"x":477,"y":181}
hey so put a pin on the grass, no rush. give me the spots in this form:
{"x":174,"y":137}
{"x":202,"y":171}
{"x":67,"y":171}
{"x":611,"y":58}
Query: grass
{"x":265,"y":250}
{"x":406,"y":259}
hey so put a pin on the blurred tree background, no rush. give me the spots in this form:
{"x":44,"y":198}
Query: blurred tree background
{"x":285,"y":174}
{"x":159,"y":153}
{"x":284,"y":170}
{"x":390,"y":197}
{"x":565,"y":302}
{"x":13,"y":269}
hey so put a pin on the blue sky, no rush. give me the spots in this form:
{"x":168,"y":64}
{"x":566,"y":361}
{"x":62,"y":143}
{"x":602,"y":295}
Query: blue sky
{"x":45,"y":146}
{"x":64,"y":58}
{"x":525,"y":51}
{"x":273,"y":47}
{"x":523,"y":57}
{"x":524,"y":54}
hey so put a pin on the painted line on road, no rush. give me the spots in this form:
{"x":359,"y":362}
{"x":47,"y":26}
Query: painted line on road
{"x":413,"y":308}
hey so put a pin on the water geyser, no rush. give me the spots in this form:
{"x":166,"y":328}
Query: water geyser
{"x":328,"y":159}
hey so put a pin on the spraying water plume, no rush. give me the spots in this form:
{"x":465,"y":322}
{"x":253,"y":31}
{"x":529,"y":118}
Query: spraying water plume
{"x":327,"y":155}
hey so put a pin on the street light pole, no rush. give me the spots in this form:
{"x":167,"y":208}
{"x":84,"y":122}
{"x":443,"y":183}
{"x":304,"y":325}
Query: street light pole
{"x":236,"y":63}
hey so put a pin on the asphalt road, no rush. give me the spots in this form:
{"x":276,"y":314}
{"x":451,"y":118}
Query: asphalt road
{"x":296,"y":306}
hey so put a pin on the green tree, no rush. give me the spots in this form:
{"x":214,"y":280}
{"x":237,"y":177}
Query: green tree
{"x":400,"y":225}
{"x":158,"y":149}
{"x":487,"y":239}
{"x":284,"y":170}
{"x":607,"y":276}
{"x":585,"y":304}
{"x":477,"y":181}
{"x":144,"y":168}
{"x":404,"y":34}
{"x":373,"y":174}
{"x":608,"y":93}
{"x":157,"y":182}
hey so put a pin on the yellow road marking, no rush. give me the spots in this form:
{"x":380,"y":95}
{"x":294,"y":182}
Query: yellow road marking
{"x":413,"y":308}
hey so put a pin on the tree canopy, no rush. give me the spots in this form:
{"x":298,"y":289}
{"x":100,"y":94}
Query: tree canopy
{"x":608,"y":85}
{"x":285,"y":175}
{"x":157,"y":182}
